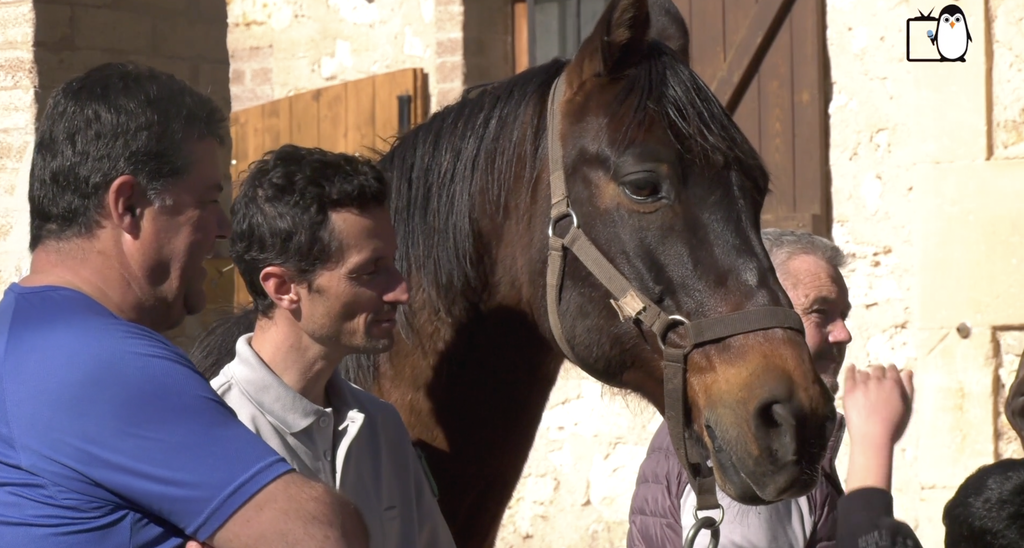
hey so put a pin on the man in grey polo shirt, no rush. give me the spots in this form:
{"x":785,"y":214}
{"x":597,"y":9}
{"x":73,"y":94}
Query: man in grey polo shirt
{"x":313,"y":241}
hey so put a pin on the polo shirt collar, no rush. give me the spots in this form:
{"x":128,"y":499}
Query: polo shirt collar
{"x":268,"y":392}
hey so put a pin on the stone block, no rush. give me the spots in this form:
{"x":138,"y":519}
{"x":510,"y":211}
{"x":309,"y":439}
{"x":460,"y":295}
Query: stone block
{"x":186,"y":38}
{"x":112,"y":30}
{"x":449,"y":72}
{"x":1007,"y":79}
{"x":9,"y":184}
{"x":239,"y":76}
{"x":261,"y":77}
{"x":17,"y":109}
{"x":17,"y":69}
{"x":449,"y":47}
{"x":969,"y":242}
{"x":17,"y":24}
{"x":53,"y":26}
{"x":14,"y":144}
{"x":954,"y":386}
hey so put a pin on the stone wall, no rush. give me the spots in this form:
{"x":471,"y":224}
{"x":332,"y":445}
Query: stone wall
{"x":18,"y":78}
{"x":924,"y":168}
{"x":578,"y":482}
{"x":282,"y":47}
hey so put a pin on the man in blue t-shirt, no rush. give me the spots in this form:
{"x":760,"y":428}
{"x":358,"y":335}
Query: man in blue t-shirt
{"x":109,"y":436}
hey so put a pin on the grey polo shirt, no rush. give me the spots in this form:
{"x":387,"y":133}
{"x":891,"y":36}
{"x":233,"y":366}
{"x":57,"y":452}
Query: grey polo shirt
{"x":359,"y":445}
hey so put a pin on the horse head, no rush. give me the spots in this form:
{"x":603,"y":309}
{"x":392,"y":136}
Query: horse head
{"x":669,"y":191}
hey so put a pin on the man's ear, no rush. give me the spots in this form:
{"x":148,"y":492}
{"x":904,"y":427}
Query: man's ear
{"x":125,"y":202}
{"x":281,"y":287}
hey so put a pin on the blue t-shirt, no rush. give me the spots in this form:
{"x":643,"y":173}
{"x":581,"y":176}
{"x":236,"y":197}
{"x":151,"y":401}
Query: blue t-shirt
{"x":109,"y":436}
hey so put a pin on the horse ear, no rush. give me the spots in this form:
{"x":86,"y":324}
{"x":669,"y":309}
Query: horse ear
{"x":621,"y":35}
{"x":625,"y":36}
{"x":617,"y":41}
{"x":669,"y":27}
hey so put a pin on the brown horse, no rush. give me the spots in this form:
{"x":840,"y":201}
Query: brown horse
{"x":669,"y":191}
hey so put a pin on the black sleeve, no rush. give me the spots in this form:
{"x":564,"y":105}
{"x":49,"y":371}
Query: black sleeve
{"x":866,"y":521}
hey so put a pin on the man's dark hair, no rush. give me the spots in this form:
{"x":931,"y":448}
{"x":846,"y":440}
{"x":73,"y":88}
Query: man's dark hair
{"x":988,"y":508}
{"x":116,"y":119}
{"x":282,"y":213}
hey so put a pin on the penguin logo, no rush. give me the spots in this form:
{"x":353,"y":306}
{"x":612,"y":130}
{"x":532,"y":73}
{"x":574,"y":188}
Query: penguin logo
{"x":948,"y":36}
{"x":951,"y":34}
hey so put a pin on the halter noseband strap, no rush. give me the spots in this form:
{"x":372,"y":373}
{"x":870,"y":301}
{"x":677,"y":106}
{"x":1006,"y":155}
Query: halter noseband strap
{"x":632,"y":305}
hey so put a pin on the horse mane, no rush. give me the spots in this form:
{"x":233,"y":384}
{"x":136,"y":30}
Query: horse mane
{"x":473,"y":151}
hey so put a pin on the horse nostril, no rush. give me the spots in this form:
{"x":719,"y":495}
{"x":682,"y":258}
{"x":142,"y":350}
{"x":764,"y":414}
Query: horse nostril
{"x":777,"y":425}
{"x":773,"y":415}
{"x":783,"y":414}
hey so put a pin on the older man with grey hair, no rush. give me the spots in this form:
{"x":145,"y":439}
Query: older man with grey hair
{"x":661,"y":512}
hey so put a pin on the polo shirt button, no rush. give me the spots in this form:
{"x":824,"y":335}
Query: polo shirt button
{"x":327,"y":454}
{"x":323,"y":421}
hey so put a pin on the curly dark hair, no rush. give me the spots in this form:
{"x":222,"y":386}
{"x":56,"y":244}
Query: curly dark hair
{"x":282,"y":213}
{"x":988,"y":508}
{"x":115,"y":119}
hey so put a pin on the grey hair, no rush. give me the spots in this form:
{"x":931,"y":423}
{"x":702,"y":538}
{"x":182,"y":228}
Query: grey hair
{"x":783,"y":245}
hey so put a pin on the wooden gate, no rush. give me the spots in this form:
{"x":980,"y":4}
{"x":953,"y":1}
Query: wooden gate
{"x":766,"y":62}
{"x":361,"y":116}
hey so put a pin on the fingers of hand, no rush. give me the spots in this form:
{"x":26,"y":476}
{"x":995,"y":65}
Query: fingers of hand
{"x":907,"y":376}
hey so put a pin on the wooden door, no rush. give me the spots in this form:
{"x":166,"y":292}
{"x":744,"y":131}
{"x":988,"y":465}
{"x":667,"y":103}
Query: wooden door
{"x":766,"y":62}
{"x":357,"y":117}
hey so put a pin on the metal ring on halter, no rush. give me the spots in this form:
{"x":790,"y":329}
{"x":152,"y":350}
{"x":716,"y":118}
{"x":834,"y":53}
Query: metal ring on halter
{"x":673,"y":320}
{"x":568,"y":213}
{"x":718,"y":522}
{"x":702,"y":524}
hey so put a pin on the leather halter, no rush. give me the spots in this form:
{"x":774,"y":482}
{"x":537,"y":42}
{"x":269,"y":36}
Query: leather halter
{"x":633,"y":306}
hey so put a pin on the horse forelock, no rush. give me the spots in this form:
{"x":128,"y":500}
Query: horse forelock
{"x":665,"y":91}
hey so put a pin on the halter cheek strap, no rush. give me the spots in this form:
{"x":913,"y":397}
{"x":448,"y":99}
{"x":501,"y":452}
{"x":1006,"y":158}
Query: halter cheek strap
{"x":631,"y":305}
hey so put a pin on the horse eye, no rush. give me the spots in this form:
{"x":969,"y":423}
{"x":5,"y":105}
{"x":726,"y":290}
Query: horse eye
{"x":642,"y":190}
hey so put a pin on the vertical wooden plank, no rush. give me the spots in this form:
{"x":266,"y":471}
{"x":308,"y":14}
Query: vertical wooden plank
{"x":276,"y":124}
{"x":810,"y":173}
{"x":421,"y":98}
{"x":776,"y":98}
{"x":387,"y":88}
{"x":359,"y":115}
{"x":520,"y":36}
{"x":248,"y":148}
{"x":707,"y":39}
{"x":305,"y":118}
{"x":332,"y":130}
{"x":747,"y":116}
